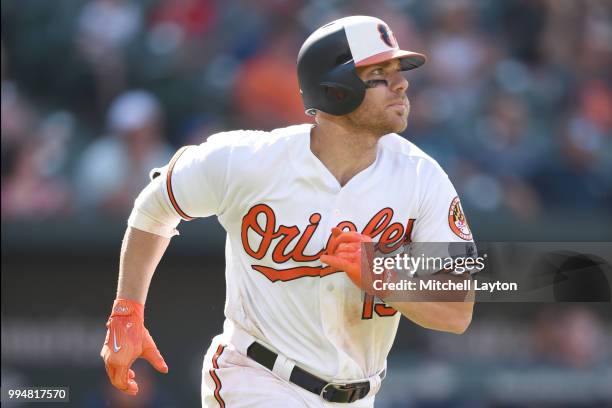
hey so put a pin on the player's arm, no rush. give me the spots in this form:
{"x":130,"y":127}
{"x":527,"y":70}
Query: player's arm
{"x":127,"y":338}
{"x":140,"y":254}
{"x":150,"y":227}
{"x":452,"y":317}
{"x":188,"y":187}
{"x":453,"y":313}
{"x":438,"y":199}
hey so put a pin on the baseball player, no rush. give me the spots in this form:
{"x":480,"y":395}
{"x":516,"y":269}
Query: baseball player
{"x":297,"y":204}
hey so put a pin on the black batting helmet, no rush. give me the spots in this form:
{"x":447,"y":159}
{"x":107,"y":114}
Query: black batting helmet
{"x":328,"y":58}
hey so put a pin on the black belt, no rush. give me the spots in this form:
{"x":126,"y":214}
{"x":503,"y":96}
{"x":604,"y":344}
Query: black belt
{"x":332,"y":392}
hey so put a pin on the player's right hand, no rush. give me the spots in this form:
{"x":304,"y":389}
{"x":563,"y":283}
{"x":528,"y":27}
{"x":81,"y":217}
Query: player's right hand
{"x":353,"y":253}
{"x":126,"y":340}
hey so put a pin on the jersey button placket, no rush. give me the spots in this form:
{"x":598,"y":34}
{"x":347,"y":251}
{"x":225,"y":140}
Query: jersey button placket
{"x":330,"y":297}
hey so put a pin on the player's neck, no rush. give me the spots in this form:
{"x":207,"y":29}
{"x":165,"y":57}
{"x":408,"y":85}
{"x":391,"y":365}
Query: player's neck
{"x":343,"y":151}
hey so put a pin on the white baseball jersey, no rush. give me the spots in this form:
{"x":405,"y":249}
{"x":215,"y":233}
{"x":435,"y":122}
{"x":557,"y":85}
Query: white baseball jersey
{"x":278,"y":204}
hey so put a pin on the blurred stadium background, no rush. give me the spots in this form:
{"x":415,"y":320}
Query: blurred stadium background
{"x":515,"y":102}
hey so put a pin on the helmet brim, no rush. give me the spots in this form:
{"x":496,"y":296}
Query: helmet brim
{"x":408,"y":59}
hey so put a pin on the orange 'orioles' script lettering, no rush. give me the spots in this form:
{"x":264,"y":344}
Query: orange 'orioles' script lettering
{"x":392,"y":236}
{"x":261,"y":220}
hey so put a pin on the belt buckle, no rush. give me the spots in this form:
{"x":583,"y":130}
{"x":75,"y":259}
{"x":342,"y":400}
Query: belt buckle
{"x":351,"y":391}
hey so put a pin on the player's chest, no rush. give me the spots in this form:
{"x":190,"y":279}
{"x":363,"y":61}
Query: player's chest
{"x":299,"y":229}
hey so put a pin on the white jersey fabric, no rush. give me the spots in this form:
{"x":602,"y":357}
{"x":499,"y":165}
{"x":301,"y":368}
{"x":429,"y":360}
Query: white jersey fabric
{"x":278,"y":204}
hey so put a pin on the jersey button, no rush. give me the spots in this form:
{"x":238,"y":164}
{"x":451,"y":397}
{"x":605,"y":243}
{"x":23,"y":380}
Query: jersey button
{"x":330,"y":287}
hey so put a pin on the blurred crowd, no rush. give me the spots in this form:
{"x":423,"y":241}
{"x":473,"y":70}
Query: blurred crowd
{"x":515,"y":100}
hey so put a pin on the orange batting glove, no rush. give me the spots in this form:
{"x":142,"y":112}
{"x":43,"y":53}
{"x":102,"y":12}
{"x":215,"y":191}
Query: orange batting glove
{"x":126,"y":340}
{"x":353,"y":253}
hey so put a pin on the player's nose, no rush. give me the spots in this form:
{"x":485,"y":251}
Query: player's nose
{"x":399,"y":84}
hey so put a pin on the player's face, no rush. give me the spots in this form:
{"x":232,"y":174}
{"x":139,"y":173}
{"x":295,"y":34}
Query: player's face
{"x":385,"y":107}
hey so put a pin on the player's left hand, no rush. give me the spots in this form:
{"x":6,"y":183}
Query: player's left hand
{"x":352,"y":253}
{"x":126,"y":340}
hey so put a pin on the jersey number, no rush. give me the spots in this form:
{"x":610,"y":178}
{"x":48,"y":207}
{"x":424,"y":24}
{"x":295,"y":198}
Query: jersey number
{"x":370,"y":306}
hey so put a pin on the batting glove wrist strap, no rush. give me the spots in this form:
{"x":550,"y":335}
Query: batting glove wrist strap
{"x":126,"y":307}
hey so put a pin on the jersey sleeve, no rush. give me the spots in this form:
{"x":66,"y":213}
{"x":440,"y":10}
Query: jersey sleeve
{"x":152,"y":211}
{"x":190,"y":186}
{"x":195,"y":179}
{"x":441,"y":229}
{"x":440,"y":217}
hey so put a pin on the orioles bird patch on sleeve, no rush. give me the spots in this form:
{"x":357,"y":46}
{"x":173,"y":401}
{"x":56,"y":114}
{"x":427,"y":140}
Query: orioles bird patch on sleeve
{"x":457,"y":222}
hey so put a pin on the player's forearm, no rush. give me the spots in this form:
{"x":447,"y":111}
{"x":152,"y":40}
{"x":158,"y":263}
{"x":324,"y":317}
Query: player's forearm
{"x":454,"y":317}
{"x":444,"y":310}
{"x":140,"y":254}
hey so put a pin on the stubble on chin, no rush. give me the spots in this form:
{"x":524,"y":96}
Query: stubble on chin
{"x":398,"y":124}
{"x":378,"y":121}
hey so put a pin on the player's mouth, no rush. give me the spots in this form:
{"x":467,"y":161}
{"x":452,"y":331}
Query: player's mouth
{"x":399,"y":105}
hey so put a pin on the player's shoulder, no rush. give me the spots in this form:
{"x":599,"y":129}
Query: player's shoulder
{"x":256,"y":140}
{"x":410,"y":155}
{"x":243,"y":151}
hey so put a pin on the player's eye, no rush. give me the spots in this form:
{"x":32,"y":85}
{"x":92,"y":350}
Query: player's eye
{"x":377,"y":71}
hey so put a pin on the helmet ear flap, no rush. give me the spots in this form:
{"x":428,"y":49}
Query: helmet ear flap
{"x":343,"y":89}
{"x":335,"y":93}
{"x":341,"y":99}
